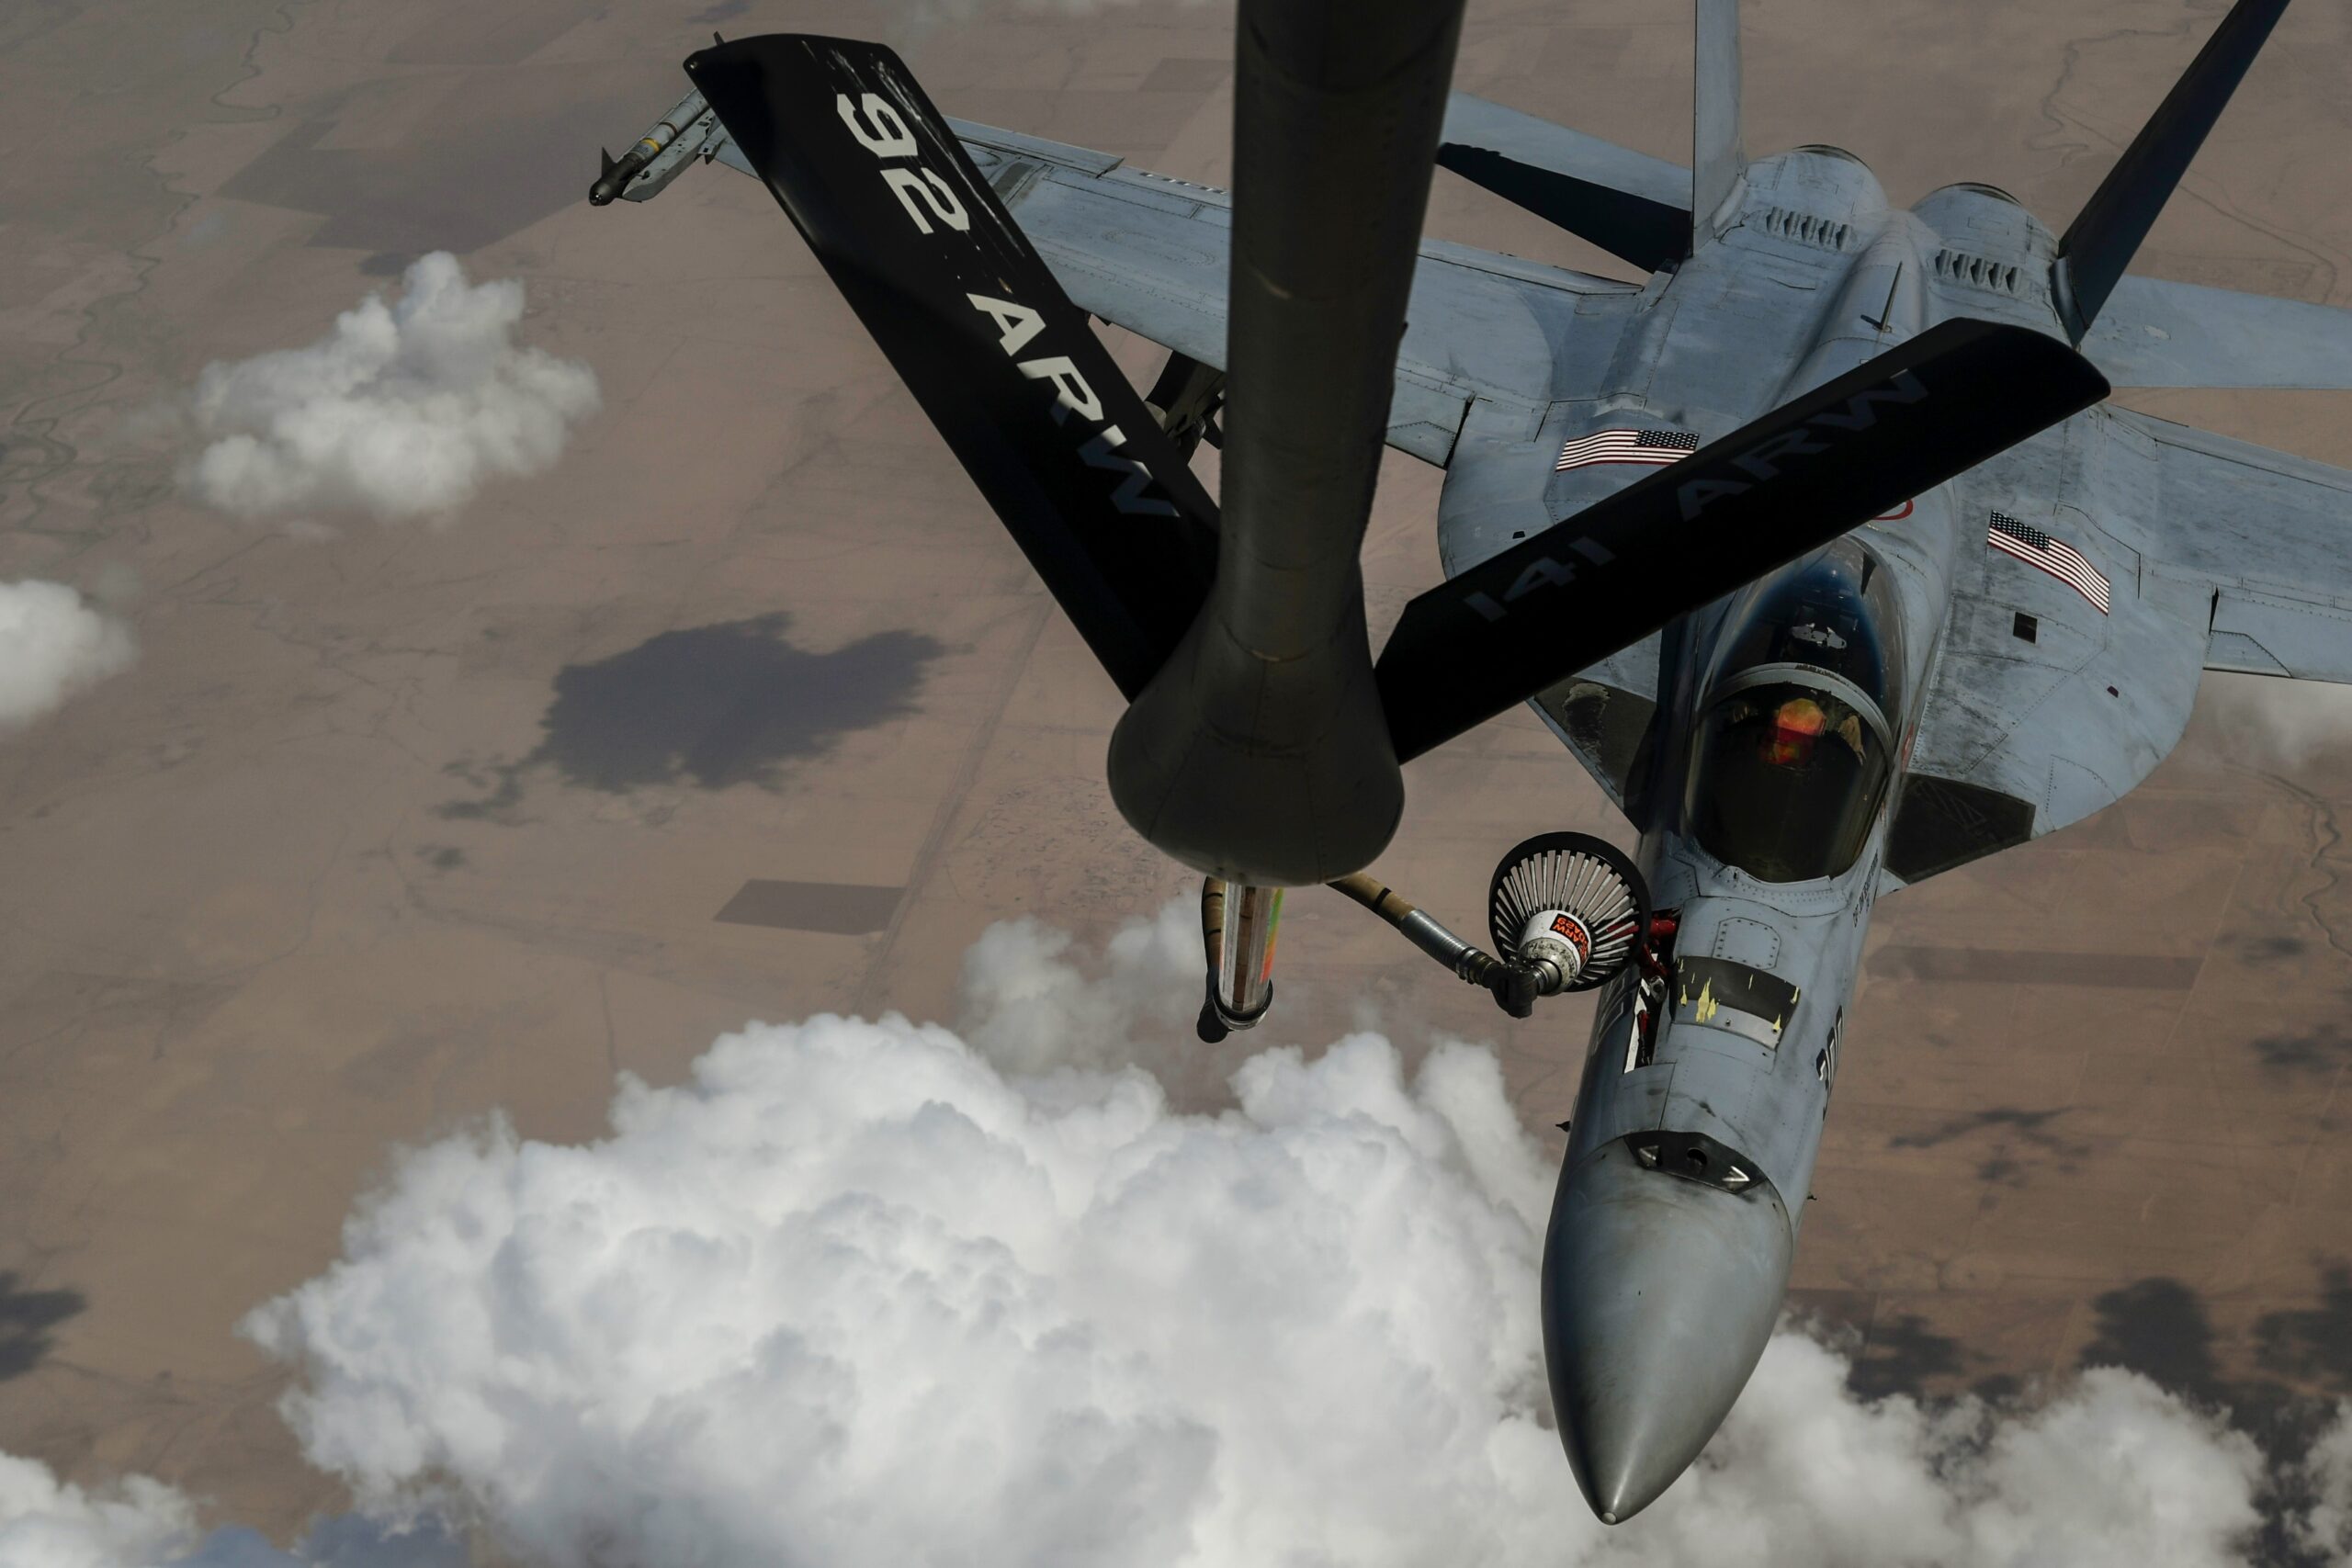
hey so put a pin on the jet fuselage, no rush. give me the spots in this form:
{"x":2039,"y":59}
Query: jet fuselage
{"x":1762,"y":796}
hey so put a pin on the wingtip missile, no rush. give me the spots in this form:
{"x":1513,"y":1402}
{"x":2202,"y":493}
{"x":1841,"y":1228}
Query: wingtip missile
{"x":613,"y":174}
{"x":609,"y":180}
{"x":658,"y":157}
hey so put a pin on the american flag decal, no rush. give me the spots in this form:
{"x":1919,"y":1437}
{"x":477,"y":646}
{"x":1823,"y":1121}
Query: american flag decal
{"x":1655,"y":448}
{"x":2057,"y":558}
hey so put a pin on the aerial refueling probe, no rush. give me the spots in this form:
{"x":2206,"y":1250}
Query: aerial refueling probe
{"x":1566,"y":911}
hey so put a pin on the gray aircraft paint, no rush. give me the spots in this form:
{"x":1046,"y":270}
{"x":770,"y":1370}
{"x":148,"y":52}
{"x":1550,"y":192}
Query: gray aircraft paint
{"x":1716,"y":161}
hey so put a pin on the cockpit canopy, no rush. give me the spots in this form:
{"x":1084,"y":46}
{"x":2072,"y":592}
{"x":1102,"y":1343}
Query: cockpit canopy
{"x":1833,"y":611}
{"x":1794,"y":749}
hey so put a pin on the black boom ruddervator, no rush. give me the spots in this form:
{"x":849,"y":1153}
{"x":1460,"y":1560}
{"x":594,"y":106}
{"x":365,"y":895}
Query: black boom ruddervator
{"x":1264,"y":743}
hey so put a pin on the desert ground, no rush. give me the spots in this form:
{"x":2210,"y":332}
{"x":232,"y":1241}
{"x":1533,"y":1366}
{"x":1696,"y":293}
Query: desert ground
{"x":749,"y":710}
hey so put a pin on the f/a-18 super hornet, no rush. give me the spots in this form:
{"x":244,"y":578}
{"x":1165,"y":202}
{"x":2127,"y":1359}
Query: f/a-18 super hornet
{"x":1818,"y":549}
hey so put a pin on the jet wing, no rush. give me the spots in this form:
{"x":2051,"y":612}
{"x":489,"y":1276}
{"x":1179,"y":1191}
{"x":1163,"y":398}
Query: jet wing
{"x":1149,"y":253}
{"x":1473,"y":122}
{"x":2211,"y":554}
{"x":2155,"y":334}
{"x":1630,"y":204}
{"x":2266,"y":540}
{"x":2044,"y":704}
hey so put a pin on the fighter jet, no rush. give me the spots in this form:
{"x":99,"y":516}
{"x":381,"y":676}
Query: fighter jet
{"x":1818,"y":549}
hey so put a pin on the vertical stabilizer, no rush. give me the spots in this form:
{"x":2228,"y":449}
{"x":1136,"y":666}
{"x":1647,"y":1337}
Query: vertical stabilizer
{"x":1716,"y":160}
{"x":2106,"y":234}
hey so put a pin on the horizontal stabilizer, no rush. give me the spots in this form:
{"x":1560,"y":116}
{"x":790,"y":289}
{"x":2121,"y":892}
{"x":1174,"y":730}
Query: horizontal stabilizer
{"x":2107,"y":234}
{"x":1007,"y":368}
{"x":2155,"y":334}
{"x":1633,"y":206}
{"x":1681,"y":538}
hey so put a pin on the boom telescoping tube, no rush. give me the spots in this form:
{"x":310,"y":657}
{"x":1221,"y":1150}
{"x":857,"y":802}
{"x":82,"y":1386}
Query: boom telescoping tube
{"x":1245,"y":969}
{"x":1238,"y":927}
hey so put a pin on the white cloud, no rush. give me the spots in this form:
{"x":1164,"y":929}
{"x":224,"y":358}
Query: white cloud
{"x":141,"y":1523}
{"x":2113,"y":1472}
{"x":1032,"y":1004}
{"x":44,"y":1523}
{"x":402,"y":411}
{"x":52,"y":643}
{"x":855,"y":1299}
{"x":2324,"y":1529}
{"x":854,"y":1296}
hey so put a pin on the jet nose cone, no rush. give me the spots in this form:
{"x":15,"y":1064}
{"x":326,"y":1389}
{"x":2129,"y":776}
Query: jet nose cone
{"x":1658,"y":1295}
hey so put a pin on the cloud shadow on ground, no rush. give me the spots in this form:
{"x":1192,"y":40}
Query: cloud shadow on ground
{"x":26,"y":1318}
{"x":709,"y":706}
{"x":1901,"y":1357}
{"x":2312,"y":1346}
{"x":2323,"y":1050}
